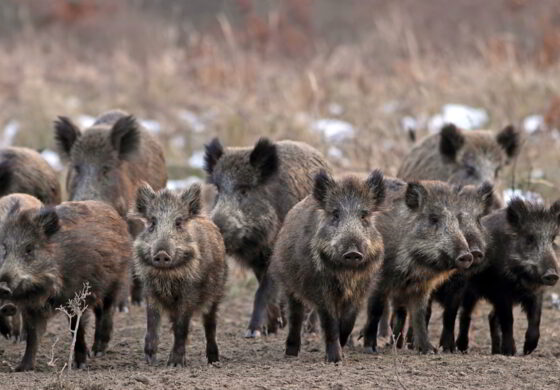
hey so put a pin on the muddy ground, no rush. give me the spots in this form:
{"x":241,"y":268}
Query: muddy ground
{"x":260,"y":364}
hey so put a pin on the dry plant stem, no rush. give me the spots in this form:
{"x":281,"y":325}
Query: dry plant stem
{"x":75,"y":307}
{"x":396,"y":363}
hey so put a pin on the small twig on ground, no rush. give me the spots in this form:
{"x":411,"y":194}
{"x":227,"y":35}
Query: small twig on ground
{"x":395,"y":360}
{"x":52,"y":362}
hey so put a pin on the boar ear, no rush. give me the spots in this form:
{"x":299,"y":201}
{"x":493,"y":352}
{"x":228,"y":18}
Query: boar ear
{"x":65,"y":135}
{"x":451,"y":141}
{"x":509,"y":140}
{"x":6,"y":175}
{"x":191,"y":197}
{"x":376,"y":185}
{"x":516,"y":212}
{"x":264,"y":157}
{"x":144,"y":194}
{"x":415,"y":195}
{"x":323,"y":184}
{"x":555,"y":210}
{"x":125,"y":136}
{"x":214,"y":151}
{"x":486,"y":193}
{"x":47,"y":219}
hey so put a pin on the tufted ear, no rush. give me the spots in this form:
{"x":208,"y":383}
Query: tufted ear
{"x":264,"y":158}
{"x":65,"y":135}
{"x":555,"y":210}
{"x":376,"y":185}
{"x":451,"y":140}
{"x":415,"y":196}
{"x":144,"y":195}
{"x":323,"y":184}
{"x":125,"y":137}
{"x":516,"y":212}
{"x":510,"y":140}
{"x":214,"y":151}
{"x":47,"y":220}
{"x":191,"y":197}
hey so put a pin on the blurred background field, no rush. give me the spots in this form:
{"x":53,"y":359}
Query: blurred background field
{"x":354,"y":78}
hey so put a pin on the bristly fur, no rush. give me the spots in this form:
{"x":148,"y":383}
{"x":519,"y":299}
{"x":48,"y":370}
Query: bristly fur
{"x":213,"y":151}
{"x":125,"y":136}
{"x":509,"y":139}
{"x":264,"y":158}
{"x":66,"y":134}
{"x":451,"y":141}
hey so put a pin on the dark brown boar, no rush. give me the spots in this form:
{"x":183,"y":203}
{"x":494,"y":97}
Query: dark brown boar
{"x":462,"y":157}
{"x":327,"y":254}
{"x":10,"y":321}
{"x":109,"y":161}
{"x":521,"y":262}
{"x":46,"y":257}
{"x":180,"y":257}
{"x":256,"y":189}
{"x":424,"y":246}
{"x":23,"y":170}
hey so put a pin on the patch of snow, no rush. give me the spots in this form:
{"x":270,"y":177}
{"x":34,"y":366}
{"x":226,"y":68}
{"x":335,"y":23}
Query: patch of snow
{"x":528,"y":196}
{"x":335,"y":130}
{"x":335,"y":109}
{"x":391,"y":107}
{"x":10,"y":131}
{"x":85,"y":121}
{"x":181,"y":184}
{"x":194,"y":122}
{"x":73,"y":102}
{"x":554,"y":299}
{"x":53,"y":159}
{"x":151,"y":125}
{"x":409,"y":123}
{"x":178,"y":142}
{"x":537,"y":173}
{"x":465,"y":117}
{"x":435,"y":123}
{"x":197,"y":159}
{"x":533,"y":123}
{"x":335,"y":152}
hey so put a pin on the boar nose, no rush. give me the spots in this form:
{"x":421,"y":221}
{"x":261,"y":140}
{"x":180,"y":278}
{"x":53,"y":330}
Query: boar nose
{"x":464,"y":260}
{"x":5,"y":291}
{"x":353,"y":256}
{"x":9,"y":309}
{"x":477,"y":255}
{"x":161,"y":258}
{"x":550,"y":277}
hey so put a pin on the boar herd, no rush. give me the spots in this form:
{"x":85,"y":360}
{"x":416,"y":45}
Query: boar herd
{"x":319,"y":244}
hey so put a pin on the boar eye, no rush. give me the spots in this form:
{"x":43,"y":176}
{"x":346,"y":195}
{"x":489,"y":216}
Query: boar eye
{"x":364,"y":214}
{"x":471,"y":170}
{"x":243,"y":190}
{"x":434,"y":219}
{"x":336,"y":214}
{"x":530,"y":240}
{"x":29,"y":249}
{"x":179,"y":223}
{"x":152,"y":225}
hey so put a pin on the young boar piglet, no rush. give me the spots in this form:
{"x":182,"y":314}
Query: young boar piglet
{"x":521,"y":262}
{"x":47,"y":255}
{"x":327,"y":254}
{"x":180,"y":258}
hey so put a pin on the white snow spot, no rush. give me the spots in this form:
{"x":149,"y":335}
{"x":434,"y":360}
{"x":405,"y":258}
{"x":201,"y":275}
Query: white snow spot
{"x":178,"y":142}
{"x":151,"y":125}
{"x":527,"y":196}
{"x":85,"y":121}
{"x":10,"y":131}
{"x":391,"y":107}
{"x":533,"y":123}
{"x":181,"y":184}
{"x":409,"y":123}
{"x":333,"y":129}
{"x":197,"y":159}
{"x":73,"y":102}
{"x":335,"y":152}
{"x":465,"y":117}
{"x":335,"y":109}
{"x":53,"y":159}
{"x":537,"y":173}
{"x":194,"y":122}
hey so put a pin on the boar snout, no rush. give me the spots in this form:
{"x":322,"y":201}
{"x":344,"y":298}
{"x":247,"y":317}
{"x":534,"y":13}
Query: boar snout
{"x":8,"y":309}
{"x":477,"y":255}
{"x":161,"y":259}
{"x":5,"y":291}
{"x":550,"y":277}
{"x":464,"y":260}
{"x":353,"y":256}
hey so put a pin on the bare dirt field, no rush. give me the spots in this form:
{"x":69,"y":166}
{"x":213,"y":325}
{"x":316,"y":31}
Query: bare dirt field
{"x":260,"y":364}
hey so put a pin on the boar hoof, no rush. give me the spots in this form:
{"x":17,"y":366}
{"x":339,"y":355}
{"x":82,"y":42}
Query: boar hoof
{"x":24,"y":366}
{"x":212,"y":353}
{"x":252,"y":334}
{"x":150,"y":358}
{"x":292,"y":350}
{"x":334,"y":356}
{"x":508,"y":350}
{"x":176,"y":360}
{"x":427,"y":349}
{"x":370,"y":350}
{"x":99,"y":354}
{"x":79,"y":365}
{"x":462,"y":345}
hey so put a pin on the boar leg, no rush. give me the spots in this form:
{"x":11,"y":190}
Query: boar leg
{"x":384,"y":323}
{"x":151,"y":340}
{"x":16,"y":326}
{"x":5,"y":327}
{"x":450,"y":309}
{"x":469,"y":302}
{"x":181,"y":323}
{"x":376,"y":304}
{"x":347,"y":324}
{"x":312,"y":322}
{"x":103,"y":326}
{"x":504,"y":312}
{"x":400,"y":319}
{"x":295,"y":321}
{"x":80,"y":349}
{"x":35,"y":324}
{"x":332,"y":336}
{"x":262,"y":297}
{"x":532,"y":305}
{"x":209,"y":320}
{"x":418,"y":310}
{"x":495,"y":332}
{"x":136,"y":289}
